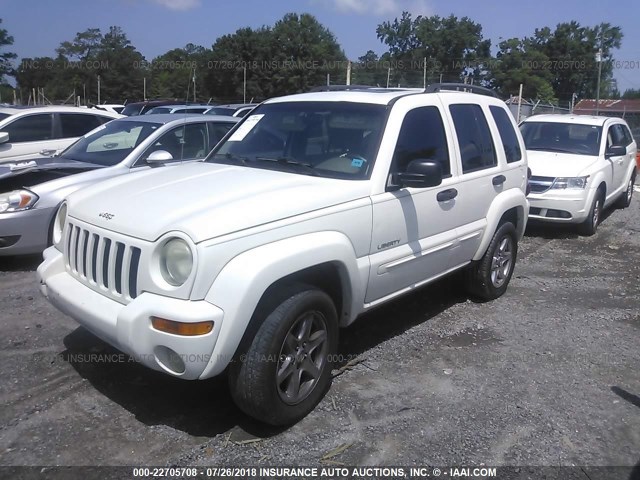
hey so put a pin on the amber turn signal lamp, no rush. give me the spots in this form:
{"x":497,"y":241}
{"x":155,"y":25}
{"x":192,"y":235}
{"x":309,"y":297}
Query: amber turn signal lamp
{"x":180,"y":328}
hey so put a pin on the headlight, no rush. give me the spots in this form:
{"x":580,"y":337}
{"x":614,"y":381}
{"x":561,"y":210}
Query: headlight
{"x":570,"y":182}
{"x":176,"y":261}
{"x":17,"y":200}
{"x":58,"y":224}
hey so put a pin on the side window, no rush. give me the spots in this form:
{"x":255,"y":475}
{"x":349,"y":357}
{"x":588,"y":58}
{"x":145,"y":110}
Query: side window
{"x":77,"y":124}
{"x":615,"y":136}
{"x":507,"y":134}
{"x":474,"y":138}
{"x":422,"y":136}
{"x":32,"y":128}
{"x":628,"y":139}
{"x":216,"y":132}
{"x":185,"y":142}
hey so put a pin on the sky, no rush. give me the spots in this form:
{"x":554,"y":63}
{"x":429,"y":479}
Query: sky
{"x":155,"y":26}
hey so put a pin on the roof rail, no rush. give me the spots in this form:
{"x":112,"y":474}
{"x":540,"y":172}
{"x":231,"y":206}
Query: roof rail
{"x":464,"y":87}
{"x":341,"y":88}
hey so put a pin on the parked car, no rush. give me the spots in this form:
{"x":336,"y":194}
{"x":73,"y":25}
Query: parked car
{"x":580,"y":165}
{"x":27,"y":132}
{"x":110,"y":107}
{"x":31,"y":191}
{"x":235,"y":109}
{"x":140,"y":108}
{"x":179,"y":109}
{"x":315,"y":209}
{"x":636,"y":135}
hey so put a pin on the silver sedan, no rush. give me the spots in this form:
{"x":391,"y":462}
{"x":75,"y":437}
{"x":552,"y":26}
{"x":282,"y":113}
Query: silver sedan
{"x":34,"y":189}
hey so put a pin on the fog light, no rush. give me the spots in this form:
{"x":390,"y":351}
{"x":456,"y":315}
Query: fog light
{"x":169,"y":360}
{"x":181,"y":328}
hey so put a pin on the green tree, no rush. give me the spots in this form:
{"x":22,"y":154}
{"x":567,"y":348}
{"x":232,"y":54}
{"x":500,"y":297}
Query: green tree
{"x":171,"y":74}
{"x":631,"y":93}
{"x":6,"y":58}
{"x":454,"y":48}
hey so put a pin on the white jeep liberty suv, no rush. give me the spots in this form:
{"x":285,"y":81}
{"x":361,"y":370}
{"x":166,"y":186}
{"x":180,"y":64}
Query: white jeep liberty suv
{"x":313,"y":210}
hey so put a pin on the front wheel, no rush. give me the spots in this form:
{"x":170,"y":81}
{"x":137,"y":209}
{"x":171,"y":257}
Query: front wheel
{"x":489,"y":278}
{"x":625,"y":199}
{"x":287,"y":368}
{"x":590,"y":225}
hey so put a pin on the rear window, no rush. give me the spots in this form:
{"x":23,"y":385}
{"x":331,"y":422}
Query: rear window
{"x":507,"y":134}
{"x":131,"y":110}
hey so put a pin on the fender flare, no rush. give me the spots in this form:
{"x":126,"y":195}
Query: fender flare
{"x":513,"y":198}
{"x":242,"y":282}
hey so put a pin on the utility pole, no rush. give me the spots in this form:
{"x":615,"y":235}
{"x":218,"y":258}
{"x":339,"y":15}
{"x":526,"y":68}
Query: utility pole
{"x":599,"y":60}
{"x":425,"y":73}
{"x":244,"y":86}
{"x":349,"y":73}
{"x":519,"y":104}
{"x":98,"y":89}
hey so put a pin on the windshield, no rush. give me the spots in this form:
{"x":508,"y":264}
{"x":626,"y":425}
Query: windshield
{"x":221,"y":111}
{"x":562,"y":137}
{"x":111,"y":143}
{"x":132,"y":109}
{"x":331,"y":139}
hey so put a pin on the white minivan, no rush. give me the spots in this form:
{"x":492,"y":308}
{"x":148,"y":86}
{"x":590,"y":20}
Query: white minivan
{"x":27,"y":132}
{"x":580,"y":164}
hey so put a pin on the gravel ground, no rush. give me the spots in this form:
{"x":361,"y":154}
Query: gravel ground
{"x":546,"y":375}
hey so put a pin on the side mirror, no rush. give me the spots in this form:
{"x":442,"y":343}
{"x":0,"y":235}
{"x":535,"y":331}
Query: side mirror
{"x":159,"y":156}
{"x":421,"y":174}
{"x":616,"y":151}
{"x":4,"y":137}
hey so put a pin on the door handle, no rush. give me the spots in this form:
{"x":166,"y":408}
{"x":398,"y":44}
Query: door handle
{"x":499,"y":180}
{"x":446,"y":195}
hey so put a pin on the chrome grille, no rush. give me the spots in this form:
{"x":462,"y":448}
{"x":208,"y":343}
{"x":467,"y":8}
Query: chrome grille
{"x":540,"y":184}
{"x":105,"y":264}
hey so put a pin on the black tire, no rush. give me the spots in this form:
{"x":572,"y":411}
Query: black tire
{"x":625,"y":198}
{"x":488,"y":278}
{"x":279,"y":345}
{"x":590,"y":225}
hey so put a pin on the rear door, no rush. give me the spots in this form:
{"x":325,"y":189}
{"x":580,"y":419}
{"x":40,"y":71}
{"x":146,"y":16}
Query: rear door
{"x":414,"y":230}
{"x":481,"y":176}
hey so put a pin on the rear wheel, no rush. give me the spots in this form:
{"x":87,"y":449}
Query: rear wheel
{"x":287,"y":368}
{"x":590,"y":225}
{"x":489,"y":278}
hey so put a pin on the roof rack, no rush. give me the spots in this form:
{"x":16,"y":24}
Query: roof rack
{"x":460,"y":87}
{"x":340,"y":88}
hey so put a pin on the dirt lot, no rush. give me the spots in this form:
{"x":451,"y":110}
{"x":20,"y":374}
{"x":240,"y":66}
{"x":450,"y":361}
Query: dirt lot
{"x":549,"y":374}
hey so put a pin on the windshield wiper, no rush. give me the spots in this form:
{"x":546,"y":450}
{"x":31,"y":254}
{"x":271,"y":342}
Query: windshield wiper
{"x":289,"y":161}
{"x":550,"y":149}
{"x":230,"y":156}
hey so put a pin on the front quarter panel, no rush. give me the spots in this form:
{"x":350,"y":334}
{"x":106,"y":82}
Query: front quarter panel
{"x":240,"y":285}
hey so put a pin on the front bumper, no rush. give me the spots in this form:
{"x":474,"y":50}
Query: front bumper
{"x":560,"y":206}
{"x":26,"y":232}
{"x":128,"y":327}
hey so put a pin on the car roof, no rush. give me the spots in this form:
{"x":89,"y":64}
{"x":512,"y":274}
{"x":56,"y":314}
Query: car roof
{"x":55,"y":109}
{"x":571,"y":118}
{"x":166,"y":118}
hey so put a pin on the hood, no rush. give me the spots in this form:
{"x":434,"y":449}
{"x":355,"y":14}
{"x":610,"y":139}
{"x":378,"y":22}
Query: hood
{"x":553,"y":164}
{"x":205,"y":200}
{"x":38,"y":170}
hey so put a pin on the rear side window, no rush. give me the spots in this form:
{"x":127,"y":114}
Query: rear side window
{"x":423,"y":137}
{"x":507,"y":133}
{"x":32,"y":128}
{"x":474,"y":137}
{"x":77,"y":124}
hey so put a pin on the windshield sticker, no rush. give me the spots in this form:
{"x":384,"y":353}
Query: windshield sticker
{"x":245,"y":128}
{"x":357,"y":162}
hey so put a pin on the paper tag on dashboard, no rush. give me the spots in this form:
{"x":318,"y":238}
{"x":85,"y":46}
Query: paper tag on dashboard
{"x":244,"y":129}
